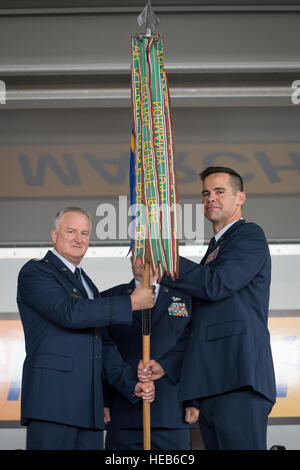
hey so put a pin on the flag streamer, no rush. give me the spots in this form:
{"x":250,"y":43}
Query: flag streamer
{"x":153,"y":175}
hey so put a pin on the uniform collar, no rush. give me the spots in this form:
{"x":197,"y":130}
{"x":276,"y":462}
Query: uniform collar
{"x":69,"y":265}
{"x":68,"y":269}
{"x":224,"y":229}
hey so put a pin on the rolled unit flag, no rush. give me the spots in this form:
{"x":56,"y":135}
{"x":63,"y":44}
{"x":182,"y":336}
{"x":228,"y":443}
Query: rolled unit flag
{"x":153,"y":173}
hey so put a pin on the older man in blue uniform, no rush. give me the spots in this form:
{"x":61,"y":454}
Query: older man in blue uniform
{"x":67,"y":350}
{"x":228,"y":363}
{"x":170,"y":330}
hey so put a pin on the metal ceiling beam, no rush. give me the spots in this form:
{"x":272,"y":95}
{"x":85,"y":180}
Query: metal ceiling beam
{"x":182,"y":96}
{"x":46,"y":7}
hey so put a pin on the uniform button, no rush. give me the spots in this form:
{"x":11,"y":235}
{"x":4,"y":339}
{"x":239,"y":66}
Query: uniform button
{"x":96,"y":336}
{"x":96,"y":357}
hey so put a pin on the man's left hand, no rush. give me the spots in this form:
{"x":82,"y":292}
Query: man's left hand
{"x":145,"y":391}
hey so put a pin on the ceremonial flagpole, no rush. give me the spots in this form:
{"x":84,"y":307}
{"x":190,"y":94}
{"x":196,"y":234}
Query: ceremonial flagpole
{"x":148,"y":19}
{"x":146,"y":332}
{"x":152,"y":171}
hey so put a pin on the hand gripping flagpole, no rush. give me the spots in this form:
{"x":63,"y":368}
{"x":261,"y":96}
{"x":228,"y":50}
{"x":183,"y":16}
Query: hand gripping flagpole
{"x":148,"y":19}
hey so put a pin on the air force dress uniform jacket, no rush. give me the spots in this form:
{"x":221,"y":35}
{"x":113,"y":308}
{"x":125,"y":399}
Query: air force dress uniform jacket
{"x":170,"y":330}
{"x":230,"y":345}
{"x":66,"y":346}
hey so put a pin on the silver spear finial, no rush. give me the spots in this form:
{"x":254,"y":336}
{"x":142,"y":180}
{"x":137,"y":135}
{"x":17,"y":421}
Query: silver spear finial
{"x":148,"y":18}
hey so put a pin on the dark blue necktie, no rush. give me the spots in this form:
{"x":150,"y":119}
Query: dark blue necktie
{"x":78,"y":275}
{"x":210,"y":248}
{"x":211,"y":245}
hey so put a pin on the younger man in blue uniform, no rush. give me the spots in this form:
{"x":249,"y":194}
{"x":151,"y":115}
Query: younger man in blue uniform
{"x":228,"y":363}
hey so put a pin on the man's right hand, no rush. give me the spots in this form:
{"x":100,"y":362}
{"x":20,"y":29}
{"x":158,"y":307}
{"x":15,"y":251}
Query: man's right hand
{"x":191,"y":414}
{"x":142,"y":298}
{"x":150,"y":371}
{"x":107,"y":418}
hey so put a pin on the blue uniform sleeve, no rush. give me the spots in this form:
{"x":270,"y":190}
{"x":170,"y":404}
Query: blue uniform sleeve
{"x":106,"y":394}
{"x":235,"y":266}
{"x":40,"y":290}
{"x":117,"y":372}
{"x":171,"y":361}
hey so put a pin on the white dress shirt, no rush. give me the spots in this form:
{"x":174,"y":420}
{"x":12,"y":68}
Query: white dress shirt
{"x":224,"y":229}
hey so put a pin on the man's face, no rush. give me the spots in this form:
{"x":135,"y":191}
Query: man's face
{"x":137,"y":269}
{"x":71,"y":239}
{"x":221,"y":203}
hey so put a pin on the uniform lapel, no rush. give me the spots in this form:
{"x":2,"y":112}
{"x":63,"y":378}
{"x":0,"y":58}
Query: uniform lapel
{"x":212,"y":244}
{"x":66,"y":272}
{"x":90,"y":283}
{"x":161,"y":305}
{"x":231,"y":229}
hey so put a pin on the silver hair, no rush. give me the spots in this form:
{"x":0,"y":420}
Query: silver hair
{"x":62,"y":212}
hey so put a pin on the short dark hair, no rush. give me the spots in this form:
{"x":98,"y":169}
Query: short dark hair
{"x":236,"y":180}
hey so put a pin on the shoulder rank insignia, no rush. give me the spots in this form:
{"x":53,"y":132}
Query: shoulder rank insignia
{"x":177,"y":309}
{"x":75,"y":296}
